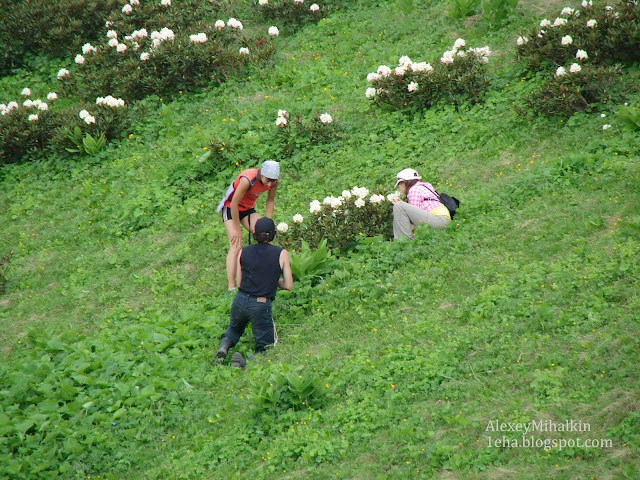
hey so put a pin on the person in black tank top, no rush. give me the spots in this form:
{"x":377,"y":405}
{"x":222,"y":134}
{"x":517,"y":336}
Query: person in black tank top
{"x":262,"y":268}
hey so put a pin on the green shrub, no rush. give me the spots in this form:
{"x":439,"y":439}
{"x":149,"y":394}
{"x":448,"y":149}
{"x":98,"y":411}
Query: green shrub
{"x":290,"y":12}
{"x":42,"y":27}
{"x":607,"y":34}
{"x":629,"y":116}
{"x":463,"y":8}
{"x":457,"y":77}
{"x":568,"y":92}
{"x":340,"y":221}
{"x":295,"y":132}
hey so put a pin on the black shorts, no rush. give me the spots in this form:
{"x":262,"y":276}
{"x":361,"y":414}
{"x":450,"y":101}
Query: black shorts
{"x":226,"y":213}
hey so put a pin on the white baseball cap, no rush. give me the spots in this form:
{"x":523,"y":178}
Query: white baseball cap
{"x":407,"y":174}
{"x":270,"y":169}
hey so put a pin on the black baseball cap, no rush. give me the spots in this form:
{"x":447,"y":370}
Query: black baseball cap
{"x":265,"y":225}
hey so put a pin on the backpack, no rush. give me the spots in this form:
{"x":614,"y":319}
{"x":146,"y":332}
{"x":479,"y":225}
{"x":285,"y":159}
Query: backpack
{"x":452,"y":203}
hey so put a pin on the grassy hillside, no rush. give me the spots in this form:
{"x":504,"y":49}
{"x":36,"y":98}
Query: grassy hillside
{"x":524,"y":309}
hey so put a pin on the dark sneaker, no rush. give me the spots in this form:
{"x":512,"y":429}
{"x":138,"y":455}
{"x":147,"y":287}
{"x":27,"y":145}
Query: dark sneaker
{"x":237,"y":360}
{"x":218,"y":358}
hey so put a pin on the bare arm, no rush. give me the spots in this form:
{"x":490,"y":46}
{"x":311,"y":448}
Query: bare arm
{"x":271,"y":202}
{"x":286,"y":282}
{"x":243,"y":187}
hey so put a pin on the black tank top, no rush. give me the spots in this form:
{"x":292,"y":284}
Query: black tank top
{"x":260,"y":265}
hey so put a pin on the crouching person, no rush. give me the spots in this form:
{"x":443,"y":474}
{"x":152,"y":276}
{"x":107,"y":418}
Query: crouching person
{"x":261,"y":269}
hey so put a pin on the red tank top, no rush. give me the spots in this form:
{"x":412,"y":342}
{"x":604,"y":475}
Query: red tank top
{"x":250,"y":197}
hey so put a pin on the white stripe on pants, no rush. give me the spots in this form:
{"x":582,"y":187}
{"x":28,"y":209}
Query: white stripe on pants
{"x":405,"y":215}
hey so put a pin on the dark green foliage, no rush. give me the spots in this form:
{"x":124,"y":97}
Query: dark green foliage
{"x":463,"y":8}
{"x":496,"y":12}
{"x":44,"y":27}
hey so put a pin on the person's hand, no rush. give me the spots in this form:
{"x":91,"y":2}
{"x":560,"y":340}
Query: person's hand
{"x":394,"y":201}
{"x":236,"y":239}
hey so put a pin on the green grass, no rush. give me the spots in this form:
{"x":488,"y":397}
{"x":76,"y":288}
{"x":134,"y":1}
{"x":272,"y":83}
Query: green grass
{"x":524,"y":308}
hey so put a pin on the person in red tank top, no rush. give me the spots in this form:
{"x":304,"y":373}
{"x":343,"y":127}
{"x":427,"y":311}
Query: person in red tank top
{"x":238,"y":208}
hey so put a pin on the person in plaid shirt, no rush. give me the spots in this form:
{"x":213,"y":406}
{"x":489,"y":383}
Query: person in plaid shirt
{"x":422,"y":205}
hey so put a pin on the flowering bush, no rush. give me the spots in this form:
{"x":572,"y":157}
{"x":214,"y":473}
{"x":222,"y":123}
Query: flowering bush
{"x":605,"y":33}
{"x":572,"y":89}
{"x":339,"y":220}
{"x":134,"y":61}
{"x":33,"y":127}
{"x":458,"y":76}
{"x":50,"y":28}
{"x":291,"y":12}
{"x":292,"y":132}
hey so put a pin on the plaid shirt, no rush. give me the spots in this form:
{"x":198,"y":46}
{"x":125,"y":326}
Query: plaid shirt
{"x":422,"y":197}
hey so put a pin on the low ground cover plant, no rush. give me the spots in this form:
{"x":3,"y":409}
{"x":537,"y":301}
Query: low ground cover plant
{"x":458,"y":76}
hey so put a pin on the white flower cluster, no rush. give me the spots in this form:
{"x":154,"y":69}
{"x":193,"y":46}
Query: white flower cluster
{"x":394,"y":197}
{"x":297,"y":218}
{"x":314,"y":8}
{"x":87,"y":117}
{"x":165,"y":3}
{"x":219,"y":24}
{"x":62,"y":73}
{"x":5,"y":109}
{"x":164,"y":35}
{"x":87,"y":48}
{"x":449,"y":56}
{"x":574,"y":68}
{"x":274,"y":32}
{"x":283,"y":118}
{"x":110,"y":101}
{"x":262,"y":3}
{"x":198,"y":38}
{"x":405,"y":64}
{"x":39,"y":104}
{"x":233,"y":23}
{"x":326,"y":119}
{"x":243,"y":51}
{"x":282,"y":227}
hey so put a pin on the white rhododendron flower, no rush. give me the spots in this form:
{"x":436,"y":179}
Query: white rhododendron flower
{"x":114,"y":42}
{"x":282,"y":227}
{"x":404,"y":61}
{"x":602,"y":115}
{"x":545,"y":23}
{"x":198,"y":38}
{"x":283,"y":113}
{"x":346,"y":194}
{"x":12,"y":106}
{"x":121,"y":48}
{"x":566,"y":40}
{"x":79,"y":59}
{"x":336,"y":202}
{"x":461,"y":53}
{"x":606,"y":127}
{"x":567,"y":11}
{"x":586,"y":4}
{"x":575,"y":68}
{"x":297,"y":218}
{"x":421,"y":67}
{"x":127,"y":9}
{"x":400,"y":71}
{"x":592,"y":23}
{"x":360,"y":192}
{"x":108,"y":24}
{"x":89,"y":119}
{"x":273,"y":31}
{"x":447,"y":57}
{"x":370,"y":93}
{"x":33,"y":117}
{"x":112,"y":34}
{"x":459,"y":43}
{"x":281,"y":122}
{"x":144,"y":56}
{"x":542,"y":32}
{"x":233,"y":23}
{"x":51,"y":96}
{"x":219,"y":24}
{"x":560,"y":72}
{"x":43,"y":107}
{"x":165,"y":3}
{"x":25,"y":92}
{"x":608,"y":8}
{"x":83,"y":114}
{"x":522,"y":41}
{"x":142,"y":33}
{"x":372,"y":77}
{"x":393,"y":197}
{"x":359,"y":203}
{"x":110,"y":101}
{"x":559,"y":22}
{"x":326,"y":119}
{"x":37,"y":102}
{"x":412,"y":87}
{"x":167,"y":34}
{"x":376,"y":199}
{"x":384,"y":71}
{"x":262,"y":2}
{"x":27,"y":103}
{"x":134,"y":2}
{"x":243,"y":51}
{"x":315,"y":207}
{"x":581,"y":55}
{"x":314,"y":7}
{"x":63,"y":72}
{"x":87,"y":48}
{"x":298,"y":1}
{"x":328,"y":200}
